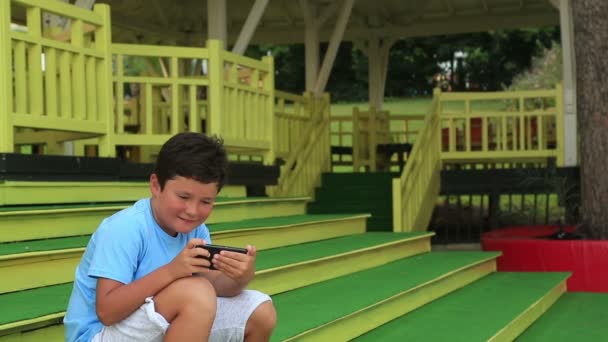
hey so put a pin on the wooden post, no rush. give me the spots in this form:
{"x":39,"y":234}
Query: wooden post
{"x":103,"y":43}
{"x":6,"y":86}
{"x":216,"y":87}
{"x":216,"y":24}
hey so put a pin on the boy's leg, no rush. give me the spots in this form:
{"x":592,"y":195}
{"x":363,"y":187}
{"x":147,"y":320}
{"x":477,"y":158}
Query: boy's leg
{"x":183,"y":311}
{"x":249,"y":316}
{"x":189,"y":305}
{"x":261,"y":323}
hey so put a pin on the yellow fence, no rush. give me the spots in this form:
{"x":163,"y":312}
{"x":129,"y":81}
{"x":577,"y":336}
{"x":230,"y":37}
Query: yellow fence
{"x":528,"y":127}
{"x":57,"y":84}
{"x":351,"y":134}
{"x":293,"y":118}
{"x":416,"y":190}
{"x":302,"y":169}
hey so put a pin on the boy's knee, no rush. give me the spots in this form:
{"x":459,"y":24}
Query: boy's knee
{"x":186,"y":295}
{"x":263,"y":319}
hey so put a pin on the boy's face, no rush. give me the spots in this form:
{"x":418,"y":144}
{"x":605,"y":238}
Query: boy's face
{"x":183,"y":204}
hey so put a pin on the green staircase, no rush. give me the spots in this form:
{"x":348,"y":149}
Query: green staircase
{"x":357,"y":193}
{"x":329,"y":277}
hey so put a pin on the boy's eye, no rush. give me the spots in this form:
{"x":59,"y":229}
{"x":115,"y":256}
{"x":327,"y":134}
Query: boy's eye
{"x":183,"y":196}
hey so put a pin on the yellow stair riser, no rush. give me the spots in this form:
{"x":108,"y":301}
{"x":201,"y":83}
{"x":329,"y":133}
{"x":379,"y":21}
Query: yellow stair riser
{"x":271,"y":238}
{"x":44,"y":224}
{"x":29,"y":193}
{"x":356,"y":324}
{"x":299,"y":275}
{"x":523,"y":321}
{"x":31,"y":270}
{"x":293,"y":276}
{"x":38,"y":270}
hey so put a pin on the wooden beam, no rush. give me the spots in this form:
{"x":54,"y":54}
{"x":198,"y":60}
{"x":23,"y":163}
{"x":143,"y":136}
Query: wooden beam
{"x":216,"y":21}
{"x":555,"y":3}
{"x":253,"y":19}
{"x":326,"y":13}
{"x":332,"y":49}
{"x":160,"y":13}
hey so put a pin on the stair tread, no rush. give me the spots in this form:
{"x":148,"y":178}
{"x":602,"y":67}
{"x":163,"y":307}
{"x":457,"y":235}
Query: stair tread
{"x":575,"y":316}
{"x":276,"y":221}
{"x":473,"y":313}
{"x":95,"y":205}
{"x":27,"y":303}
{"x":81,"y":241}
{"x":327,"y":301}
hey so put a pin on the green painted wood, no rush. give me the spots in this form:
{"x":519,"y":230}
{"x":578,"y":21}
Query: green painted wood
{"x":474,"y":313}
{"x":315,"y":305}
{"x":577,"y":316}
{"x":38,"y":302}
{"x":81,"y":241}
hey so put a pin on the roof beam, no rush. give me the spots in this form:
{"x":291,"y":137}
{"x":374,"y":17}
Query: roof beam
{"x":159,"y":13}
{"x":555,"y":3}
{"x":253,"y":19}
{"x":334,"y":43}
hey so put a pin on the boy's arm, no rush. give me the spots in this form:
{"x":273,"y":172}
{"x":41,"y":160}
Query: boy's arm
{"x":234,"y":272}
{"x":115,"y":300}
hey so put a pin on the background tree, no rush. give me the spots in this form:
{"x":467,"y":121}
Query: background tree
{"x":591,"y":46}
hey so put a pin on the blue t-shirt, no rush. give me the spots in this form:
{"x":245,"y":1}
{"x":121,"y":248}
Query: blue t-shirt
{"x":127,"y":246}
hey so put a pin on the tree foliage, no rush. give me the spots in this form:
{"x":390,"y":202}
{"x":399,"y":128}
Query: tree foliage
{"x":492,"y":60}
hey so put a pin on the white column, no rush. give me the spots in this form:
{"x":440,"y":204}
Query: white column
{"x":216,"y":21}
{"x":311,"y":43}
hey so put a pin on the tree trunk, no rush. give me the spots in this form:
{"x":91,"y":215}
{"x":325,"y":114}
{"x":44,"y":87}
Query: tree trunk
{"x":591,"y":48}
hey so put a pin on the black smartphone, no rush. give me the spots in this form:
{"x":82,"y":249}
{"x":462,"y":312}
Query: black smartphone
{"x":214,"y":249}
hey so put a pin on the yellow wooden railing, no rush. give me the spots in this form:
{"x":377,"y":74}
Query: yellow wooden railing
{"x":370,"y":128}
{"x":62,"y":85}
{"x":416,"y":190}
{"x":301,"y":171}
{"x":354,"y":132}
{"x":158,"y":117}
{"x":530,"y":127}
{"x":293,"y":118}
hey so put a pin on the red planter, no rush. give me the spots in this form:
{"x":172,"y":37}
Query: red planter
{"x":523,"y":250}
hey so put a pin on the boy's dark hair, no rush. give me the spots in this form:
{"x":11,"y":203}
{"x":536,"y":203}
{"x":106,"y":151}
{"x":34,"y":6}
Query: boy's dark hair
{"x":192,"y":155}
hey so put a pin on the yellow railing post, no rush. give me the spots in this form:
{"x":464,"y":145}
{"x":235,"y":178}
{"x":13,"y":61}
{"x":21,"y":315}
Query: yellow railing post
{"x":103,"y":42}
{"x":216,"y":87}
{"x":560,"y":134}
{"x":356,"y":140}
{"x":6,"y":94}
{"x":270,"y":156}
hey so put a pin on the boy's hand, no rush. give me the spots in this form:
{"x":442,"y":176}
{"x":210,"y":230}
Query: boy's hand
{"x":189,"y":260}
{"x":240,"y":267}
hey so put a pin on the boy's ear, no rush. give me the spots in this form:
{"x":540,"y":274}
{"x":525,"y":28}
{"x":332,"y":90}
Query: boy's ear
{"x":154,"y":185}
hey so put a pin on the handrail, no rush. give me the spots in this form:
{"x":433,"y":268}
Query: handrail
{"x":302,"y":171}
{"x":526,"y":129}
{"x":416,"y":190}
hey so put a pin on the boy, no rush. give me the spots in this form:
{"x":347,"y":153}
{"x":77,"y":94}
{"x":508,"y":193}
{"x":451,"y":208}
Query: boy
{"x":141,"y":277}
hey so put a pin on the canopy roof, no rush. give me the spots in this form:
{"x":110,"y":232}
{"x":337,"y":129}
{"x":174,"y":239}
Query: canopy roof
{"x":185,"y":21}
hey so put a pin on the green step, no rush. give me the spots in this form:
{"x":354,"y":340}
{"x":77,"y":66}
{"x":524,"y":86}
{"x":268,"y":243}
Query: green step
{"x":577,"y":316}
{"x":215,"y":228}
{"x":36,"y":263}
{"x":344,"y":252}
{"x":477,"y":312}
{"x":21,"y":223}
{"x":29,"y":192}
{"x":383,"y":293}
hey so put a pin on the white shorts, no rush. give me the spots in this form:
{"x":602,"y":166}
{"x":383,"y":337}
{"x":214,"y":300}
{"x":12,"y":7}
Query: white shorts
{"x":145,"y":324}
